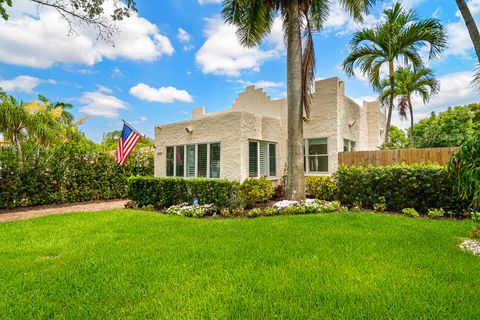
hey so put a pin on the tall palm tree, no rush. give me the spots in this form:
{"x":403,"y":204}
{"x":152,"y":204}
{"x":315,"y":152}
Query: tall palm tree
{"x":471,"y":26}
{"x":254,"y":20}
{"x":398,"y":38}
{"x":409,"y":83}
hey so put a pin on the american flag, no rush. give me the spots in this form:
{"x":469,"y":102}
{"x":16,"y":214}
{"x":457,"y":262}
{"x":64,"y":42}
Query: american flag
{"x":127,"y":142}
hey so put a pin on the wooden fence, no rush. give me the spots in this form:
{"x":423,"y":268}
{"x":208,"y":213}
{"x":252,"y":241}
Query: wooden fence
{"x":401,"y":156}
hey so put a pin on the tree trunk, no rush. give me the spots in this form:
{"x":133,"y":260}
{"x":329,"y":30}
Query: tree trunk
{"x":18,"y":145}
{"x":392,"y":96}
{"x":471,"y":26}
{"x":412,"y":138}
{"x":295,"y":189}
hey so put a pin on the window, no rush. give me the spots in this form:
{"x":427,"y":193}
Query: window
{"x":316,"y":155}
{"x":193,"y":160}
{"x":215,"y":160}
{"x":348,"y":145}
{"x":262,"y":160}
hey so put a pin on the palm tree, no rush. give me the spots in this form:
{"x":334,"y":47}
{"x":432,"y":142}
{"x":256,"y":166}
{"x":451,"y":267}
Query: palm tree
{"x":409,"y":83}
{"x":471,"y":26}
{"x":254,"y":20}
{"x":398,"y":38}
{"x":14,"y":121}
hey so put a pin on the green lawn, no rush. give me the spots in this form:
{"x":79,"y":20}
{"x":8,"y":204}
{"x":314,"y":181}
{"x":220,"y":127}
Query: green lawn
{"x":135,"y":264}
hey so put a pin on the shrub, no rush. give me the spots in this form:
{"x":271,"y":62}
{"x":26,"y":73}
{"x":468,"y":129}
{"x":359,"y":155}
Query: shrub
{"x":256,"y":190}
{"x":464,"y":168}
{"x":194,"y":211}
{"x":380,"y":206}
{"x":226,"y":213}
{"x":253,"y":213}
{"x":69,"y":173}
{"x":435,"y":213}
{"x":270,"y":211}
{"x":165,"y":192}
{"x":149,"y":207}
{"x":475,"y":229}
{"x":322,"y":188}
{"x":414,"y":186}
{"x":410,"y":212}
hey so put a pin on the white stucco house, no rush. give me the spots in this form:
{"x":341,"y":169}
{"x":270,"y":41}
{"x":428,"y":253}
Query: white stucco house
{"x":250,"y":138}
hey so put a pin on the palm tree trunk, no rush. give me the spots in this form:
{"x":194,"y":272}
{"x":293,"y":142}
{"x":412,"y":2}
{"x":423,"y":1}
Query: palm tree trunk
{"x":18,"y":145}
{"x":412,"y":138}
{"x":392,"y":95}
{"x":471,"y":26}
{"x":295,"y":189}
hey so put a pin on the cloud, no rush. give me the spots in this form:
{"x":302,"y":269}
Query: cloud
{"x":183,"y":36}
{"x":23,"y":84}
{"x":97,"y":103}
{"x":222,"y":53}
{"x":39,"y":39}
{"x":261,"y":84}
{"x":340,"y":22}
{"x":203,"y":2}
{"x":163,"y":95}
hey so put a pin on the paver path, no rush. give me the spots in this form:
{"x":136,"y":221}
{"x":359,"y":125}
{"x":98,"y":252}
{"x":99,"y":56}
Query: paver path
{"x":30,"y":213}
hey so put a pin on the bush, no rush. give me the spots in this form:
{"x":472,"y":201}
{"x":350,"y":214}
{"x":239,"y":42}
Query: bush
{"x":410,"y":212}
{"x":257,"y":212}
{"x":322,"y":188}
{"x":166,"y":192}
{"x":415,"y":186}
{"x":256,"y":190}
{"x":69,"y":173}
{"x":475,"y":229}
{"x":270,"y":211}
{"x":436,"y":213}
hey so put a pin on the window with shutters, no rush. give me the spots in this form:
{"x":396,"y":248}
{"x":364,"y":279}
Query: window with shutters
{"x":193,"y":160}
{"x":348,"y":145}
{"x":262,"y":160}
{"x":316,"y":155}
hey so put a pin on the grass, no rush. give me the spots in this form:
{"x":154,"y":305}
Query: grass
{"x":135,"y":264}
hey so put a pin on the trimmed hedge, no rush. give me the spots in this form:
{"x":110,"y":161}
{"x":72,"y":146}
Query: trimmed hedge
{"x":165,"y":192}
{"x":403,"y":186}
{"x":67,"y":174}
{"x":322,"y":187}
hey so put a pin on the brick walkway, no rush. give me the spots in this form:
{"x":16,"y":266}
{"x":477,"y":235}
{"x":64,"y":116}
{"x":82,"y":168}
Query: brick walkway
{"x":30,"y":213}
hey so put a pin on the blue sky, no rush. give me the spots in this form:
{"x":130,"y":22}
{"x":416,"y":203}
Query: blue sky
{"x":176,"y":55}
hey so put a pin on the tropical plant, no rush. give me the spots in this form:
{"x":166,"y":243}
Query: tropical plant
{"x":409,"y":83}
{"x":398,"y":38}
{"x":254,"y":20}
{"x":465,"y":167}
{"x":14,"y":121}
{"x":110,"y":141}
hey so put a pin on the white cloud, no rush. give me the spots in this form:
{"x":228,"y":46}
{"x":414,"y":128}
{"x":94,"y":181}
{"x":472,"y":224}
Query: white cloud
{"x":223,"y":54}
{"x":23,"y":84}
{"x":104,"y":89}
{"x":341,"y":23}
{"x":163,"y":95}
{"x":183,"y":36}
{"x":39,"y":39}
{"x":203,"y":2}
{"x":96,"y":103}
{"x":262,"y":84}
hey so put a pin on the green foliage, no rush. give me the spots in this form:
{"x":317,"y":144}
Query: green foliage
{"x":270,"y":211}
{"x":165,"y":192}
{"x":253,"y":213}
{"x":464,"y":167}
{"x":3,"y":12}
{"x":226,"y":213}
{"x":69,"y":173}
{"x":435,"y":213}
{"x":194,"y":211}
{"x":256,"y":190}
{"x":450,"y":128}
{"x":380,"y":206}
{"x":415,"y":186}
{"x":475,"y":228}
{"x":322,"y":188}
{"x":397,"y":139}
{"x":410,"y":212}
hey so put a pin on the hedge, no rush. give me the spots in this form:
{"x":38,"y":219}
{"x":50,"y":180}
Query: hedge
{"x":403,"y":186}
{"x":67,"y":174}
{"x":165,"y":192}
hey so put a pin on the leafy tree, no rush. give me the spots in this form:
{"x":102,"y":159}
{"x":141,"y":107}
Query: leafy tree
{"x":396,"y":140}
{"x":400,"y":36}
{"x":408,"y":83}
{"x":84,"y":13}
{"x":110,"y":141}
{"x":14,"y":121}
{"x":450,"y":128}
{"x":254,"y":20}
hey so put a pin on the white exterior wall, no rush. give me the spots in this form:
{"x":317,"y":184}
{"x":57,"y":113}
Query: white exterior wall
{"x":255,"y":116}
